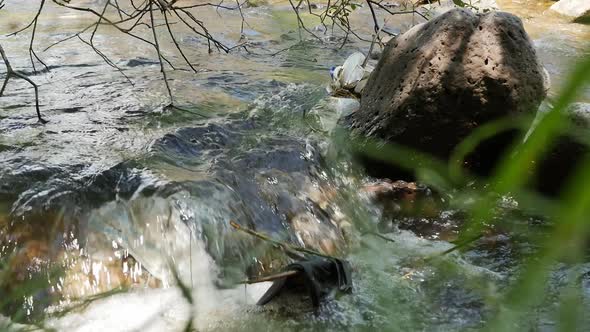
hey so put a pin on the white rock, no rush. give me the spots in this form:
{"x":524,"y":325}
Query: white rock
{"x":437,"y":8}
{"x":574,"y":8}
{"x":345,"y":106}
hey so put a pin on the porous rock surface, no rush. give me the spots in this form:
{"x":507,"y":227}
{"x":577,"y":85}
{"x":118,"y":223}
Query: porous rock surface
{"x":440,"y":80}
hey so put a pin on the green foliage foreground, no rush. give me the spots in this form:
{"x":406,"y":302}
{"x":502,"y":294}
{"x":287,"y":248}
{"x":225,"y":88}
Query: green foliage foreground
{"x":568,"y":215}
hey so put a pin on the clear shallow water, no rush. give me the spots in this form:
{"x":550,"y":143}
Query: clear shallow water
{"x":558,"y":42}
{"x":124,"y":184}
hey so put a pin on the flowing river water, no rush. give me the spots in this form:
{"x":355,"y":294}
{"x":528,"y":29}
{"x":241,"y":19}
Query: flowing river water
{"x":119,"y":190}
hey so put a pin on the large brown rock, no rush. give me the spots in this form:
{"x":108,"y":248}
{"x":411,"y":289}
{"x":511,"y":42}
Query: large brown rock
{"x":440,"y":80}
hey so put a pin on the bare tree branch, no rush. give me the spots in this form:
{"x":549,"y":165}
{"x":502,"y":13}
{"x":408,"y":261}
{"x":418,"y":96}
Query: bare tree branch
{"x":205,"y":32}
{"x":176,"y":43}
{"x":300,"y":23}
{"x":120,"y":11}
{"x":375,"y":23}
{"x":157,"y":46}
{"x":69,"y":37}
{"x":12,"y":73}
{"x":129,"y":18}
{"x":33,"y":23}
{"x":114,"y":24}
{"x":208,"y":4}
{"x":413,"y":11}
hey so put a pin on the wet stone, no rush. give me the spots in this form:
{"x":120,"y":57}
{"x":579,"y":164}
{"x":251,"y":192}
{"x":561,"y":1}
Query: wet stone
{"x":141,"y":62}
{"x":258,"y":181}
{"x":411,"y":206}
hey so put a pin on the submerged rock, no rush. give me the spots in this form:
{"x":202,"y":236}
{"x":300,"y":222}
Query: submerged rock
{"x":440,"y":80}
{"x":555,"y":168}
{"x":192,"y":183}
{"x":414,"y":207}
{"x":401,"y":199}
{"x":579,"y":10}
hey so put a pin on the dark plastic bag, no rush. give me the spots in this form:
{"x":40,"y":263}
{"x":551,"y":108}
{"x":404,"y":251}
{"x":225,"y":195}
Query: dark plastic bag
{"x":318,"y":276}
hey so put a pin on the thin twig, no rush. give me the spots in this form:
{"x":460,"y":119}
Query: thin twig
{"x":106,"y":59}
{"x":381,"y":236}
{"x":461,"y":244}
{"x":413,"y":11}
{"x":114,"y":24}
{"x":33,"y":23}
{"x":287,"y":247}
{"x":12,"y":73}
{"x":208,"y":4}
{"x":375,"y":37}
{"x":205,"y":32}
{"x":157,"y":46}
{"x":375,"y":23}
{"x":243,"y":19}
{"x":300,"y":23}
{"x":121,"y":12}
{"x":271,"y":277}
{"x":176,"y":43}
{"x":69,"y":37}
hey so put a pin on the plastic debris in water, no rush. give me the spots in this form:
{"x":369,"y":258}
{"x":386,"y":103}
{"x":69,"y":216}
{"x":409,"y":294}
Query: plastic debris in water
{"x":319,"y":277}
{"x":352,"y":76}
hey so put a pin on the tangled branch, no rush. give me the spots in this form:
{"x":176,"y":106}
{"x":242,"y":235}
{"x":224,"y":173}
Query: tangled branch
{"x":132,"y":16}
{"x":128,"y":21}
{"x":336,"y":14}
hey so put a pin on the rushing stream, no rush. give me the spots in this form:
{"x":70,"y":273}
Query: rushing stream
{"x":117,"y":188}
